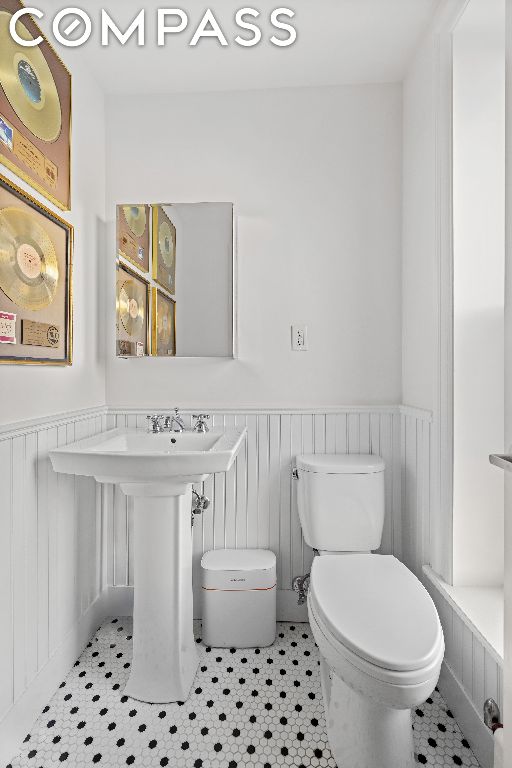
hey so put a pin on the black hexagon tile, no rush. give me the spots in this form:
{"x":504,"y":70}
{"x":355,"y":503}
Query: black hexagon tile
{"x":252,"y":707}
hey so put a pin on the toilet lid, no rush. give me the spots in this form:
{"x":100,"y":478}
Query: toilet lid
{"x":378,"y":609}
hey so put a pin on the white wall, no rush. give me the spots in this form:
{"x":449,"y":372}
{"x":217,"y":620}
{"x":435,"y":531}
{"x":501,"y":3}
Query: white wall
{"x":419,"y":229}
{"x":316,"y":178}
{"x":479,"y":273}
{"x":29,"y":392}
{"x":50,"y":529}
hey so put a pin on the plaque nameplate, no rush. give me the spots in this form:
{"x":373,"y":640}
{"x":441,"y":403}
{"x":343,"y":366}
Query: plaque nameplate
{"x":130,"y":348}
{"x":39,"y":334}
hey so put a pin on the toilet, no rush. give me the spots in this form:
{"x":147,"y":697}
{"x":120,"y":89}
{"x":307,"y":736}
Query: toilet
{"x":378,"y":632}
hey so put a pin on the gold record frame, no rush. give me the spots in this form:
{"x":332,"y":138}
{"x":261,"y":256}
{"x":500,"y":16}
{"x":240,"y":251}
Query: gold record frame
{"x":144,"y":240}
{"x":156,"y":295}
{"x":159,"y":216}
{"x":122,"y":266}
{"x":27,"y":314}
{"x":21,"y":150}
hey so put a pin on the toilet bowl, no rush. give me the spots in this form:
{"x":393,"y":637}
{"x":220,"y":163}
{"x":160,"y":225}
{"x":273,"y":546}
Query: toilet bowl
{"x":376,"y":627}
{"x":381,"y":646}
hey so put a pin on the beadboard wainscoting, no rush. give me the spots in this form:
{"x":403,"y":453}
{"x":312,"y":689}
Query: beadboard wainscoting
{"x":472,"y":670}
{"x":50,"y":567}
{"x":66,"y":557}
{"x":254,"y":504}
{"x":416,"y":480}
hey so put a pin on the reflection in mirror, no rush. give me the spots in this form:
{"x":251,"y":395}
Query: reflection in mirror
{"x":175,"y":280}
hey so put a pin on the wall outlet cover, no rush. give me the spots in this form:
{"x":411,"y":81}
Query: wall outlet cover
{"x":299,"y":338}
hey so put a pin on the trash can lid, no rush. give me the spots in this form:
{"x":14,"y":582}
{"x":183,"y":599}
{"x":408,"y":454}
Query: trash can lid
{"x":238,"y":560}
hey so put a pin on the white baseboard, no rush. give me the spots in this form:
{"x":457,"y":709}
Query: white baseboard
{"x":469,"y":719}
{"x":21,"y":717}
{"x":119,"y":602}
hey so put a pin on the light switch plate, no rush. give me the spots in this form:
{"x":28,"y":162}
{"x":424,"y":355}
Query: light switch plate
{"x":299,"y":338}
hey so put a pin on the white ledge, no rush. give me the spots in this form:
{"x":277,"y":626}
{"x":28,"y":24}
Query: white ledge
{"x":480,"y":608}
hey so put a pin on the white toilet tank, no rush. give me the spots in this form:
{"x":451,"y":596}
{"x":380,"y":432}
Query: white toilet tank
{"x":341,"y":501}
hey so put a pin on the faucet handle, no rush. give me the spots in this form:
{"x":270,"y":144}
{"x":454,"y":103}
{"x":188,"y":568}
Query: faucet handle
{"x":154,"y":422}
{"x":200,"y":425}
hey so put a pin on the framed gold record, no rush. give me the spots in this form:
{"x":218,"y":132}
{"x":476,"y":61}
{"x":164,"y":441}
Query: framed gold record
{"x":36,"y":249}
{"x":133,"y":234}
{"x":132,"y":306}
{"x":164,"y":250}
{"x":163,"y":325}
{"x":35,"y":109}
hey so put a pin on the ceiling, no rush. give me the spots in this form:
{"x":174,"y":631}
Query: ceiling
{"x":339,"y":42}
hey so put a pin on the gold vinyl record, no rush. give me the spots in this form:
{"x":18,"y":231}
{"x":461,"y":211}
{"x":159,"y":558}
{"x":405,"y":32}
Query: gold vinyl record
{"x":135,"y":216}
{"x":166,"y":243}
{"x":164,"y":324}
{"x":28,"y":83}
{"x":29,"y":271}
{"x":132,"y":306}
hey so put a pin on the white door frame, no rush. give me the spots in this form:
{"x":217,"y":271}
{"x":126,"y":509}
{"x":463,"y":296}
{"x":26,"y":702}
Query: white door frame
{"x":441,"y":531}
{"x":507,"y":677}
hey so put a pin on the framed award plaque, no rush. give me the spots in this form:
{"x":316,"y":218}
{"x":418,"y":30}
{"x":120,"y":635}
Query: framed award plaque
{"x":164,"y":325}
{"x":132,"y":298}
{"x":133,"y":223}
{"x":35,"y":281}
{"x":35,"y":109}
{"x":164,"y":250}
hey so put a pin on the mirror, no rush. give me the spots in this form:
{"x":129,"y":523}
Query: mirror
{"x":175,"y":280}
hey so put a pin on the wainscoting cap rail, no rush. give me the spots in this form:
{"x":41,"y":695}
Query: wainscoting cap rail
{"x":8,"y":431}
{"x":416,"y":413}
{"x":256,"y":409}
{"x":12,"y":429}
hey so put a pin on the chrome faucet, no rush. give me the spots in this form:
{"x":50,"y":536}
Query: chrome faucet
{"x":174,"y":423}
{"x":201,"y":425}
{"x":154,"y":424}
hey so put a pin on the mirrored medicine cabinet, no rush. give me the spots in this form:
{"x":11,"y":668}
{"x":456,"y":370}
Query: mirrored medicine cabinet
{"x":175,"y":285}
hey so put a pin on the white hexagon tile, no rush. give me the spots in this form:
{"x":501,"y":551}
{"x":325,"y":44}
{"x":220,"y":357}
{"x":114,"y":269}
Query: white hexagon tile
{"x":257,"y":707}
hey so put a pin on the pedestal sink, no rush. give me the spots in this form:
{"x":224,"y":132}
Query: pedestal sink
{"x":158,"y":471}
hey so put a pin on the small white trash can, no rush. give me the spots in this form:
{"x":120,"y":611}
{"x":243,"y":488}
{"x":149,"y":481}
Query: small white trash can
{"x":239,"y":598}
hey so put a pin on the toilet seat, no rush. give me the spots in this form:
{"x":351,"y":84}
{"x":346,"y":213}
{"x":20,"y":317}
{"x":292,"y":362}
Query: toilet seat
{"x":379,"y":616}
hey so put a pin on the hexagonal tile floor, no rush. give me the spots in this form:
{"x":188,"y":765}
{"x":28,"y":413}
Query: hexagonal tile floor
{"x":258,"y":707}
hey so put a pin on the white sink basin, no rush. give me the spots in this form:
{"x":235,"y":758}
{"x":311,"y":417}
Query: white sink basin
{"x":142,"y":442}
{"x":158,"y":471}
{"x":131,"y":455}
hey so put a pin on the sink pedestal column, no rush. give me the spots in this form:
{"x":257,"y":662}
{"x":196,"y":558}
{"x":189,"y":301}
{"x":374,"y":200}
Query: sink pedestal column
{"x":165,"y":658}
